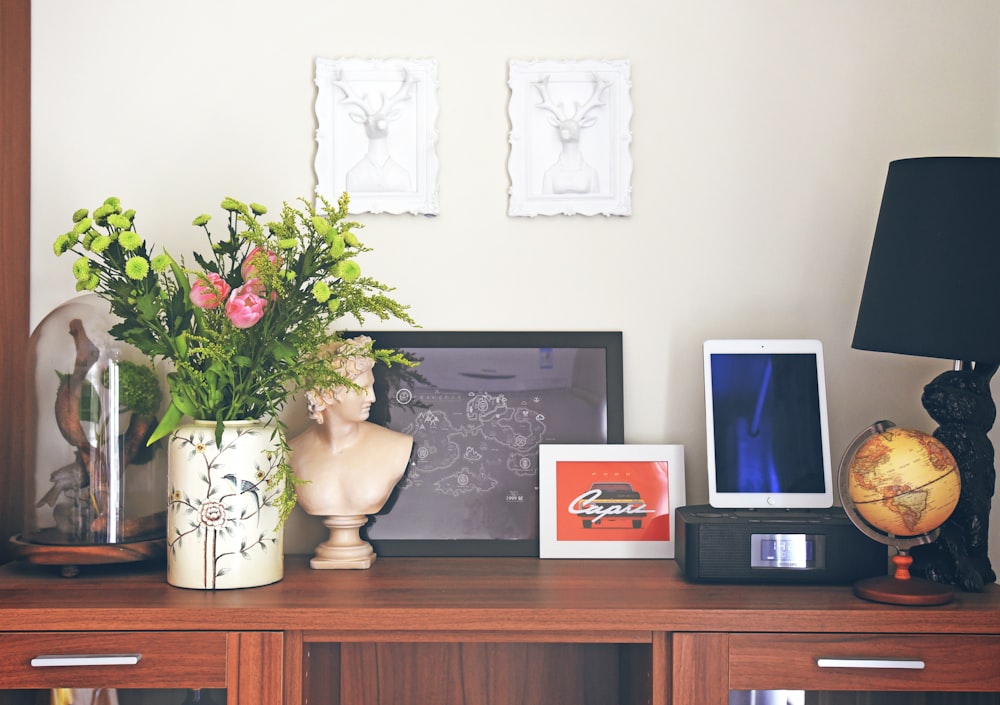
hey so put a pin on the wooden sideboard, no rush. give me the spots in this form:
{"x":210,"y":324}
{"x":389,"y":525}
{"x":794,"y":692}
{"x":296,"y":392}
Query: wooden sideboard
{"x":484,"y":631}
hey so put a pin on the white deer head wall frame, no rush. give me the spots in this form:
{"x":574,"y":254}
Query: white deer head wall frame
{"x":376,"y":134}
{"x":570,"y":138}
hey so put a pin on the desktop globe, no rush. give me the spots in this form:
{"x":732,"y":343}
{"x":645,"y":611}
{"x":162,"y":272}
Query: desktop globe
{"x":903,"y":482}
{"x":899,"y":486}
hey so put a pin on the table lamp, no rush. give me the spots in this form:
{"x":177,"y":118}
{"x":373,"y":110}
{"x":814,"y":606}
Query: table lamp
{"x":933,"y":290}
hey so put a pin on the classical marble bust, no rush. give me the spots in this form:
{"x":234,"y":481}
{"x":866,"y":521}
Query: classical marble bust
{"x":349,"y":466}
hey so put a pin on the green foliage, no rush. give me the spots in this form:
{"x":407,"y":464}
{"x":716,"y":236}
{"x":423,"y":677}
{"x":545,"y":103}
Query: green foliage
{"x":138,"y":387}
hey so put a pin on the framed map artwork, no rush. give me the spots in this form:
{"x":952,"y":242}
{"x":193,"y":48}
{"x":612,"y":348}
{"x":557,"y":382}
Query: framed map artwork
{"x":478,"y":406}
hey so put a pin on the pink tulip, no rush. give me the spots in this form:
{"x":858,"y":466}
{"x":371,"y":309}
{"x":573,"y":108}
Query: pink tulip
{"x":256,"y":287}
{"x":244,"y":308}
{"x":248,"y":269}
{"x":209,"y":290}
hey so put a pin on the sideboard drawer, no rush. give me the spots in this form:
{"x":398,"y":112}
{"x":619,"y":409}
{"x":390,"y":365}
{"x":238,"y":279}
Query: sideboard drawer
{"x":104,"y":659}
{"x":864,"y":662}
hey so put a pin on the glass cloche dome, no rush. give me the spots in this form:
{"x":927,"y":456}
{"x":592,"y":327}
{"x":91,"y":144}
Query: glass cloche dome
{"x":91,"y":482}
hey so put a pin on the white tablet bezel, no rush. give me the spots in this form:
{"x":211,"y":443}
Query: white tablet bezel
{"x":761,"y":500}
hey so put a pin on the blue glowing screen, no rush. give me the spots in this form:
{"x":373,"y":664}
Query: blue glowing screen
{"x":767,"y":425}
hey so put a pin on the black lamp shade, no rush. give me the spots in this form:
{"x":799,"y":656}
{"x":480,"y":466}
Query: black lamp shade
{"x":933,"y":282}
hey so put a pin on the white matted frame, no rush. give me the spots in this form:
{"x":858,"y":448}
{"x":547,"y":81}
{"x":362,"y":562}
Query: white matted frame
{"x":570,"y":138}
{"x":377,"y":134}
{"x":609,"y":501}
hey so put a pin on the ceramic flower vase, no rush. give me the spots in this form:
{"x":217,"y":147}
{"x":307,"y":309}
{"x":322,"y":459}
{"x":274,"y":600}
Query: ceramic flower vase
{"x":223,"y":519}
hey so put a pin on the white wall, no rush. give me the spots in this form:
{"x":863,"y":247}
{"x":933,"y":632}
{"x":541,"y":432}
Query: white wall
{"x":762,"y":134}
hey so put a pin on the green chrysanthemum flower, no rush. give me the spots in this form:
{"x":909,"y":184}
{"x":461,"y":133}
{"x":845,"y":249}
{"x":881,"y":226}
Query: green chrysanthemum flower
{"x":117,"y":220}
{"x":322,"y":226}
{"x":348,"y":270}
{"x":90,"y":284}
{"x":332,"y":305}
{"x":258,"y":209}
{"x":287,"y":243}
{"x":100,"y":244}
{"x":336,"y":246}
{"x":137,"y":268}
{"x":321,"y":292}
{"x":61,"y":245}
{"x":82,"y":225}
{"x":232,"y":205}
{"x":80,"y":215}
{"x":160,"y":263}
{"x":201,"y":220}
{"x":81,"y":269}
{"x":88,"y":239}
{"x":129,"y":240}
{"x":351,"y":239}
{"x":101,"y":214}
{"x":114,"y":203}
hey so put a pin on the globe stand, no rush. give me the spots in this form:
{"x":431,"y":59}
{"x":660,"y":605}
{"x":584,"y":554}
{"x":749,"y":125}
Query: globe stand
{"x":902,"y":589}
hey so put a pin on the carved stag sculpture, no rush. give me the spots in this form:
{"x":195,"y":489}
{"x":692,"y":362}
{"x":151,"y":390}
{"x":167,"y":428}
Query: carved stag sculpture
{"x":377,"y":170}
{"x":571,"y":173}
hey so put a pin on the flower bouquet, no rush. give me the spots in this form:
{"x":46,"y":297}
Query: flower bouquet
{"x":244,"y":324}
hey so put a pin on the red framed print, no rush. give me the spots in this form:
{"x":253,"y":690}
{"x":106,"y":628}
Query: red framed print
{"x":609,"y":501}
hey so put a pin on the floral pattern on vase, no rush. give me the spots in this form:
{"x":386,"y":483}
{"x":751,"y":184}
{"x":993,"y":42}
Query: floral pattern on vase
{"x":223,"y":518}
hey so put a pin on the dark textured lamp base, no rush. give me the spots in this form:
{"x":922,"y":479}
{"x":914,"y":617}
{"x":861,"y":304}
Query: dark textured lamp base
{"x":961,"y":403}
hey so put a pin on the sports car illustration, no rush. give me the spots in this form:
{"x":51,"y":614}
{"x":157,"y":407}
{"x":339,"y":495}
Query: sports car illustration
{"x":612,"y":503}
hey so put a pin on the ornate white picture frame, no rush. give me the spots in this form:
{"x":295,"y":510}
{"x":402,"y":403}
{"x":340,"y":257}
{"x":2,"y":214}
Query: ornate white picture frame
{"x":376,"y":136}
{"x":570,"y":138}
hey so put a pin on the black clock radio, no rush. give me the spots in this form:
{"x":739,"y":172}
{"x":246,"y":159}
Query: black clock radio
{"x":818,"y":546}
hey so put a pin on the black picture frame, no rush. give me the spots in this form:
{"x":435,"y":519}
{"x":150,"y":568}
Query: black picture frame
{"x":479,"y":405}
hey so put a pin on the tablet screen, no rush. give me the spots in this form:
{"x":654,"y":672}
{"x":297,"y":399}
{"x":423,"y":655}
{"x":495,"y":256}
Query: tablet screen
{"x":767,"y":428}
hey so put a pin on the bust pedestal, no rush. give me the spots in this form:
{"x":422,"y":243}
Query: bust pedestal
{"x":345,"y":548}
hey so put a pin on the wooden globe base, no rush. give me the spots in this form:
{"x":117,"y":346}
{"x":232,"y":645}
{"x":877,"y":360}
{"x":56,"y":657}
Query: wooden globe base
{"x":902,"y":589}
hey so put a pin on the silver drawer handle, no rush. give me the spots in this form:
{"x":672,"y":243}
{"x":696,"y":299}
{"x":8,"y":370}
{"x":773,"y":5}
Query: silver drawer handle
{"x":909,"y":663}
{"x":86,"y":660}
